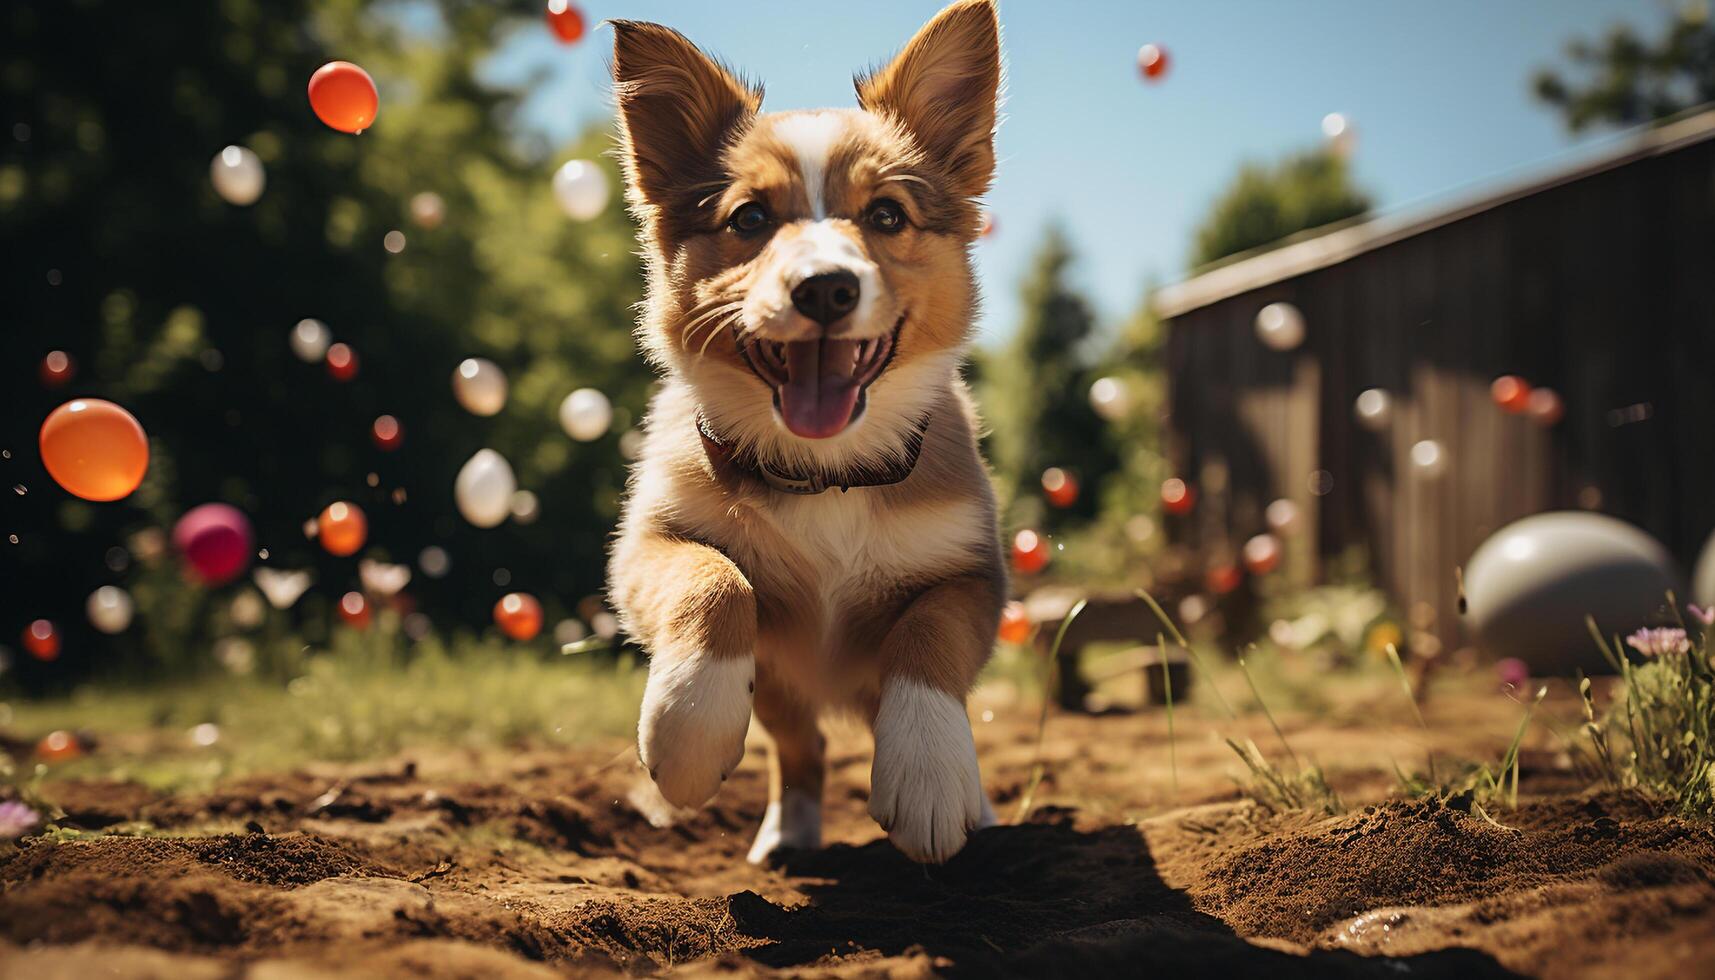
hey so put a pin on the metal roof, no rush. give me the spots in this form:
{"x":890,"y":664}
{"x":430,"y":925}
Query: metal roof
{"x":1321,"y":248}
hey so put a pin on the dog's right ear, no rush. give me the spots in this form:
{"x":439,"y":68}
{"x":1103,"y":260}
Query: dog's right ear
{"x":677,"y":109}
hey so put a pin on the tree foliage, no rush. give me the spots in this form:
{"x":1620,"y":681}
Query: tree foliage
{"x":1624,"y":79}
{"x":1265,"y":204}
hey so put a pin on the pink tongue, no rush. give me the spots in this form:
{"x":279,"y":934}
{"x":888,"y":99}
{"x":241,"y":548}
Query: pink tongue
{"x":820,"y":392}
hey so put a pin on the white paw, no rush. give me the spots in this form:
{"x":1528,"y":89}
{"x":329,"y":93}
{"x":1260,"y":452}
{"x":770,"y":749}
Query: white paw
{"x":793,"y":821}
{"x":925,"y":790}
{"x":690,"y":734}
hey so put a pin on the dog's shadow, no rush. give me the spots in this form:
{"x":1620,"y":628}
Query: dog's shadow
{"x":1037,"y":899}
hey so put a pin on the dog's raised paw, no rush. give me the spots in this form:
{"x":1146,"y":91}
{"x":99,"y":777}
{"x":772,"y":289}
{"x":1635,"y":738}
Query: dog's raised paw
{"x":925,"y":789}
{"x":690,"y":734}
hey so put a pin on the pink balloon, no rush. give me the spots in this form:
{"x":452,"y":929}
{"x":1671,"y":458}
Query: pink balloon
{"x":216,"y":542}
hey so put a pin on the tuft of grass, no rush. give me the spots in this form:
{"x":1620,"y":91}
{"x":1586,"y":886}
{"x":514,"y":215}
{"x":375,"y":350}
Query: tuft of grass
{"x":1050,"y":670}
{"x":1167,"y":692}
{"x":1278,"y":791}
{"x":1179,"y":638}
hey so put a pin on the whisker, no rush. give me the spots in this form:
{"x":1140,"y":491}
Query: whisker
{"x":691,"y":329}
{"x":716,"y":333}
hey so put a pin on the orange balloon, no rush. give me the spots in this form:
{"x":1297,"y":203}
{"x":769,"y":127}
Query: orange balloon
{"x":354,"y":609}
{"x":518,"y":615}
{"x":58,"y":746}
{"x":566,"y":20}
{"x":343,"y":96}
{"x":94,"y":449}
{"x":342,"y":528}
{"x":1014,"y":623}
{"x":1511,"y":393}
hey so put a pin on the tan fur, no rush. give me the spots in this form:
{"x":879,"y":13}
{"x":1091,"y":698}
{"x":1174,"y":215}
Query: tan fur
{"x":840,"y":594}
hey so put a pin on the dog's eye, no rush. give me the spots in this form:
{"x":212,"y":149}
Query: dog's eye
{"x":886,"y":216}
{"x":749,"y":219}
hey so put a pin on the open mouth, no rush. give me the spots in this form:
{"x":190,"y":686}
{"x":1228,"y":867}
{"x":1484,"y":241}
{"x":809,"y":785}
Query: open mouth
{"x":820,"y":386}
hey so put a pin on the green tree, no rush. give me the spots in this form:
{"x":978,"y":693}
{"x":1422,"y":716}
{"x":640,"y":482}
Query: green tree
{"x":1265,"y":204}
{"x":1035,"y":395}
{"x":1623,"y":79}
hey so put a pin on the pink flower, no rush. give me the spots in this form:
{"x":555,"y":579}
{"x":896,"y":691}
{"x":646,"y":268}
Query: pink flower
{"x":16,"y":819}
{"x":1659,"y":642}
{"x":1702,"y":615}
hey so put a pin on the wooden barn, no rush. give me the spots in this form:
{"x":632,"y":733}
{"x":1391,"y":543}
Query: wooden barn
{"x":1597,"y":281}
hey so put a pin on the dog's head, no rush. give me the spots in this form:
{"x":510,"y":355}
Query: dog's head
{"x":810,"y":270}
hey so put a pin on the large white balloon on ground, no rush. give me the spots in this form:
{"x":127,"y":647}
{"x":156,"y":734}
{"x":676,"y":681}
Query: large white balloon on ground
{"x":1529,"y":587}
{"x":484,"y":488}
{"x":237,"y":175}
{"x":581,"y":188}
{"x":586,"y":414}
{"x":480,"y":386}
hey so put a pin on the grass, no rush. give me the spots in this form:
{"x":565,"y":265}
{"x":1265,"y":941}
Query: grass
{"x":1050,"y":668}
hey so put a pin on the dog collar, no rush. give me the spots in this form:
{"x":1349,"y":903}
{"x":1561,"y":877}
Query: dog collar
{"x":726,"y":458}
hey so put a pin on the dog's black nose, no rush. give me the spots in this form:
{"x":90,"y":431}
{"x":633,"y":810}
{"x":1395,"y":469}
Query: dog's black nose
{"x":827,"y":297}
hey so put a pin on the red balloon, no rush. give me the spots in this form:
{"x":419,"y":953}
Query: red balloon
{"x":1262,"y":554}
{"x":1223,"y":579}
{"x":1060,"y":487}
{"x":216,"y":542}
{"x":1029,"y":552}
{"x":518,"y":615}
{"x":566,"y":20}
{"x":1178,"y":497}
{"x":1511,"y":393}
{"x":1014,"y":623}
{"x":59,"y":746}
{"x":1152,"y":61}
{"x":56,"y":369}
{"x":42,"y":640}
{"x":387,"y":433}
{"x":342,"y":362}
{"x":354,"y":609}
{"x":343,"y":96}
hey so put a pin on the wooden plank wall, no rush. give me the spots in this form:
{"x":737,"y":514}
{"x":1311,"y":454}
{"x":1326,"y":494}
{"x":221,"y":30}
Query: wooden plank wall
{"x":1603,"y":288}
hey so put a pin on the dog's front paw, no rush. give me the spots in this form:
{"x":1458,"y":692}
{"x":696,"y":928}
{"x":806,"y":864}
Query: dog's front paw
{"x":690,"y":734}
{"x":925,"y":789}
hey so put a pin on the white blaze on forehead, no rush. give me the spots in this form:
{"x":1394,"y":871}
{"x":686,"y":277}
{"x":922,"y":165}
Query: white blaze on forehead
{"x":811,"y":136}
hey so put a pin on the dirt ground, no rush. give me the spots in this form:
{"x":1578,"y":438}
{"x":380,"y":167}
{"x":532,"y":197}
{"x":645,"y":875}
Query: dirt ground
{"x":535,"y":864}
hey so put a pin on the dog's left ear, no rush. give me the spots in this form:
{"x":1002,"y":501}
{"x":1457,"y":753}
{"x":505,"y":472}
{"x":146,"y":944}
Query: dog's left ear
{"x":943,"y":87}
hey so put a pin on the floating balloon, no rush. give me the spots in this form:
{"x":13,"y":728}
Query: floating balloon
{"x":237,"y":175}
{"x":1262,"y":554}
{"x":518,"y":615}
{"x":1511,"y":393}
{"x":110,"y":609}
{"x":57,"y":369}
{"x":1110,"y":398}
{"x":1223,"y":579}
{"x":1429,"y":458}
{"x":344,"y":97}
{"x":310,"y":339}
{"x":394,"y":241}
{"x":215,"y":541}
{"x":428,"y":210}
{"x":434,"y":561}
{"x":480,"y":386}
{"x":342,"y":362}
{"x":387,"y":433}
{"x":354,"y":609}
{"x":581,"y":188}
{"x":1029,"y":552}
{"x":1178,"y":497}
{"x":1529,"y":587}
{"x":1373,"y":409}
{"x":1280,"y":326}
{"x":1545,"y":407}
{"x":484,"y":488}
{"x":94,"y":449}
{"x":1014,"y":623}
{"x":1152,"y":62}
{"x":42,"y":640}
{"x":526,"y":507}
{"x":566,"y":21}
{"x":1060,"y":487}
{"x":382,"y":579}
{"x":586,"y":414}
{"x":1341,"y":136}
{"x":282,"y":589}
{"x":342,"y":528}
{"x":1282,"y":516}
{"x":59,"y":746}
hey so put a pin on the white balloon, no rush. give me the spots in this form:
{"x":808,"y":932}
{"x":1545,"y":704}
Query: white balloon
{"x":1429,"y":458}
{"x":1282,"y":516}
{"x":110,"y":609}
{"x":382,"y":579}
{"x":484,"y":488}
{"x":1373,"y":409}
{"x":480,"y":386}
{"x":1110,"y":398}
{"x":237,"y":175}
{"x":428,"y":210}
{"x":310,"y":339}
{"x":434,"y":561}
{"x":581,"y":188}
{"x":525,"y":507}
{"x":1342,"y":136}
{"x":586,"y":414}
{"x":1280,"y":326}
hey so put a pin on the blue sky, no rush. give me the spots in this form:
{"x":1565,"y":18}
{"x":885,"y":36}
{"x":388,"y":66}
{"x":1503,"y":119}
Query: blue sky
{"x":1438,"y":93}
